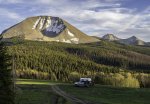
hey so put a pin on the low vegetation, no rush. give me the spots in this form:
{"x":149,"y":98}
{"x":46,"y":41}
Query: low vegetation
{"x":117,"y":80}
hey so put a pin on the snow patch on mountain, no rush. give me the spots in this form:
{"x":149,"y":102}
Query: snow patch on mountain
{"x":42,"y":23}
{"x":66,"y":41}
{"x":69,"y":33}
{"x":57,"y":40}
{"x":75,"y":40}
{"x":48,"y":22}
{"x":36,"y":23}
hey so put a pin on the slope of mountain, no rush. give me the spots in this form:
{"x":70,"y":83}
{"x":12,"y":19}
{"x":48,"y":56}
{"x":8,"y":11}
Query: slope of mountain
{"x":47,"y":28}
{"x":110,"y":37}
{"x":148,"y":43}
{"x":132,"y":41}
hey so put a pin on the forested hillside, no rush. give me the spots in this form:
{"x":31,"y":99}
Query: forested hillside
{"x":106,"y":62}
{"x":59,"y":61}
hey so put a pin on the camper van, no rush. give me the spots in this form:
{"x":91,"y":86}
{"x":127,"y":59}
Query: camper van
{"x":84,"y":82}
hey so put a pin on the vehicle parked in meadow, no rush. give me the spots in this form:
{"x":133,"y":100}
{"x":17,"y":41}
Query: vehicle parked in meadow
{"x":84,"y":82}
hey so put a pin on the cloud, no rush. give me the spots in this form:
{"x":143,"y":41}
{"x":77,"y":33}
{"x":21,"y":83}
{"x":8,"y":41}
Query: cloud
{"x":5,"y":13}
{"x":10,"y":1}
{"x":8,"y":18}
{"x":95,"y":17}
{"x":137,"y":20}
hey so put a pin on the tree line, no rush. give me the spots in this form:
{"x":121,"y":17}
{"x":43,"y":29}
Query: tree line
{"x":57,"y":61}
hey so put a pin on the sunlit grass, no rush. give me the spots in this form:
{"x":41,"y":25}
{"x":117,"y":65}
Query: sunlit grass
{"x":31,"y":81}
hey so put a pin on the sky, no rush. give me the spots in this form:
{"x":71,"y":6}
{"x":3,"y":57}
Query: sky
{"x":123,"y":18}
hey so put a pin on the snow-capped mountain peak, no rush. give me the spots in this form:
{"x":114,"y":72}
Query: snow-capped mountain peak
{"x":47,"y":28}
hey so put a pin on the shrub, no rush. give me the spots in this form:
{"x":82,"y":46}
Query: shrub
{"x":130,"y":82}
{"x":117,"y":80}
{"x":74,"y":76}
{"x":144,"y":80}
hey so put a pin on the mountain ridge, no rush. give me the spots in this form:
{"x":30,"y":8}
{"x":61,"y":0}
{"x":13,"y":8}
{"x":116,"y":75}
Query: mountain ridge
{"x":133,"y":40}
{"x":47,"y":28}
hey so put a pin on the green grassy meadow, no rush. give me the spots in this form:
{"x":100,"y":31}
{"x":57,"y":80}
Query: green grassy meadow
{"x":33,"y":82}
{"x":31,"y":91}
{"x":100,"y":94}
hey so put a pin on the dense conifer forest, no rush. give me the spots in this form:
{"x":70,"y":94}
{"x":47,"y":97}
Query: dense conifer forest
{"x":62,"y":61}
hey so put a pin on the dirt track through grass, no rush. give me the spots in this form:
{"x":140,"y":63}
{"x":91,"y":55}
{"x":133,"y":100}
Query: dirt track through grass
{"x":70,"y":98}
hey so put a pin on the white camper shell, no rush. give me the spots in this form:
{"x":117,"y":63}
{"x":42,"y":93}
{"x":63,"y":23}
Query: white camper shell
{"x":84,"y":82}
{"x":85,"y":79}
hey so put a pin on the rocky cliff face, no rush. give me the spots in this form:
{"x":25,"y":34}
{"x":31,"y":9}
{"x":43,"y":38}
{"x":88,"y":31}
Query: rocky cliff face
{"x":110,"y":37}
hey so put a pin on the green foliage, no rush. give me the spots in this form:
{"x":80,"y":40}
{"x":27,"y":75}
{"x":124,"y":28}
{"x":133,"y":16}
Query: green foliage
{"x":60,"y":61}
{"x":6,"y":85}
{"x":33,"y":74}
{"x":53,"y":59}
{"x":130,"y":81}
{"x":144,"y":79}
{"x":74,"y":76}
{"x":117,"y":80}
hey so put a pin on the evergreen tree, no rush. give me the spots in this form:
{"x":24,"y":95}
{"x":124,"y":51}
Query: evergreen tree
{"x":6,"y":85}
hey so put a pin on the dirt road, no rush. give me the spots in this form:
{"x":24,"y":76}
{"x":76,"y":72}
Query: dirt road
{"x":68,"y":97}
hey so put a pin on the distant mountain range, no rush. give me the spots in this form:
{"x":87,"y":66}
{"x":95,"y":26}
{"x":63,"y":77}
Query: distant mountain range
{"x":47,"y":28}
{"x":129,"y":41}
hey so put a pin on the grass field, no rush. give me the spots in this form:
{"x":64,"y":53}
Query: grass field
{"x":31,"y":91}
{"x":33,"y":94}
{"x":110,"y":95}
{"x":39,"y":92}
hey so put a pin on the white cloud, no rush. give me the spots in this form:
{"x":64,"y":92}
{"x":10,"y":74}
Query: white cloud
{"x":91,"y":16}
{"x":9,"y":14}
{"x":10,"y":1}
{"x":137,"y":20}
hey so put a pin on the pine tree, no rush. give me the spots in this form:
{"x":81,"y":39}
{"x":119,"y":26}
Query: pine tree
{"x":6,"y":85}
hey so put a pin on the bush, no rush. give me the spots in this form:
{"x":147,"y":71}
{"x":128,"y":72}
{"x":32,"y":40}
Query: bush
{"x":74,"y":76}
{"x":144,"y":80}
{"x":99,"y":78}
{"x":130,"y":82}
{"x":117,"y":80}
